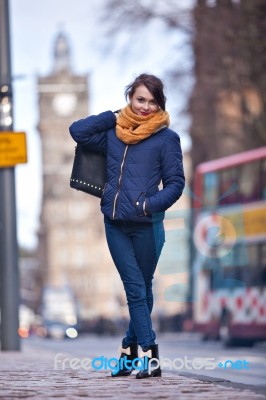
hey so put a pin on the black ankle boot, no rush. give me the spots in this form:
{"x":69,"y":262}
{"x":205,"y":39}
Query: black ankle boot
{"x":125,"y":361}
{"x":151,"y":368}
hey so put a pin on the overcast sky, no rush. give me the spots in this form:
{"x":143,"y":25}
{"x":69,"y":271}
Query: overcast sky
{"x":34,"y":26}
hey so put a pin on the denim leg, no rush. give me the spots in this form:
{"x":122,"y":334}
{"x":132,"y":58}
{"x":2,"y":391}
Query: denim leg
{"x":148,"y":242}
{"x":135,"y":250}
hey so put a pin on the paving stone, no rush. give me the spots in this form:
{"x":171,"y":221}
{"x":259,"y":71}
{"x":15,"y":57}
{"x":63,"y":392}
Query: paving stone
{"x":31,"y":375}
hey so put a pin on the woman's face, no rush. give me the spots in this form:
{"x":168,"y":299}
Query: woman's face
{"x":143,"y":102}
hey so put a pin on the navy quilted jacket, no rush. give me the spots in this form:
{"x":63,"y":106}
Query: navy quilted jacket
{"x":134,"y":171}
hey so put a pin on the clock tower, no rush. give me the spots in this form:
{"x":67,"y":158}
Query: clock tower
{"x":72,"y":246}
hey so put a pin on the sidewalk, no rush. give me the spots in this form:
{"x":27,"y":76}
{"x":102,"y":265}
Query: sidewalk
{"x":30,"y":374}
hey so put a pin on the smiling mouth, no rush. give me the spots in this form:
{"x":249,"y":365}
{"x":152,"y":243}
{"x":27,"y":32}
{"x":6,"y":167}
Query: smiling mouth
{"x":144,"y":113}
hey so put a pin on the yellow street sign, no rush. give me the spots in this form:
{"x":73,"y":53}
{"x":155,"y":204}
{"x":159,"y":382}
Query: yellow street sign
{"x":12,"y":148}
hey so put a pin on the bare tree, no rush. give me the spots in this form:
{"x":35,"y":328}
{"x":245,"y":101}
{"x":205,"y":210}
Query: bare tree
{"x":227,"y":105}
{"x":129,"y":22}
{"x":131,"y":15}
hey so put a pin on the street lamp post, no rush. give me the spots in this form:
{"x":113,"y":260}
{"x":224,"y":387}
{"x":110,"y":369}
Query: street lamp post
{"x":9,"y":283}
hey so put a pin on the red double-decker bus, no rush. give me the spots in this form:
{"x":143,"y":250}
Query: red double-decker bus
{"x":229,"y":240}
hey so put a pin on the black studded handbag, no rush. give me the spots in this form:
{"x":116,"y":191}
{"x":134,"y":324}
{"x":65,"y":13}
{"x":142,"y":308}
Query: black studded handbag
{"x":89,"y":171}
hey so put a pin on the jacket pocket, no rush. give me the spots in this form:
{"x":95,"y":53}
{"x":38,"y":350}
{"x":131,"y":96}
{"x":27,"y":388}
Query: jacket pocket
{"x":139,"y":204}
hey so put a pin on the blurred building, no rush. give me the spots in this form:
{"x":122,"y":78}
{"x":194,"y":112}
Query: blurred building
{"x":227,"y":104}
{"x":72,"y":247}
{"x":30,"y":280}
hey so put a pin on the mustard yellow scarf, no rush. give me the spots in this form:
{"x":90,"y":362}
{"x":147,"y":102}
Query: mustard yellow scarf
{"x":132,"y":128}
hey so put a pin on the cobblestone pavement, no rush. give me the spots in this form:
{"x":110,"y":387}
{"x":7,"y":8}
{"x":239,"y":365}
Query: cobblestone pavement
{"x":30,"y":374}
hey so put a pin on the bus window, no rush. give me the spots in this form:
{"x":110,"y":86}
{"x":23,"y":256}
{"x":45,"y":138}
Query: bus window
{"x":229,"y":186}
{"x":263,"y":263}
{"x":233,"y":277}
{"x":253,"y":258}
{"x":241,"y":255}
{"x":253,"y":278}
{"x":210,"y":190}
{"x":235,"y":266}
{"x":249,"y":182}
{"x":263,"y":178}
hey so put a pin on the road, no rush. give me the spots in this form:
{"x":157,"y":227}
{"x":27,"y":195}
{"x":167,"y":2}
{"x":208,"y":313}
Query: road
{"x":186,"y":355}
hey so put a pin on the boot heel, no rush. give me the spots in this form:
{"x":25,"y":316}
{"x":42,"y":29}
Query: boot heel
{"x":156,"y":373}
{"x":128,"y":355}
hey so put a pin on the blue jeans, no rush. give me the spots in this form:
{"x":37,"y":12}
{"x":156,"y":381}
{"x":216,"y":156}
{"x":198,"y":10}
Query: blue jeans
{"x":135,"y":249}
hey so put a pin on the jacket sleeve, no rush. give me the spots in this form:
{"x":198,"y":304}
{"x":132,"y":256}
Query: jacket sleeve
{"x":91,"y":131}
{"x":173,"y":178}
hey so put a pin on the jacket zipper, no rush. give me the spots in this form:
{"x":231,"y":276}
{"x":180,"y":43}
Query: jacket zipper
{"x":119,"y":181}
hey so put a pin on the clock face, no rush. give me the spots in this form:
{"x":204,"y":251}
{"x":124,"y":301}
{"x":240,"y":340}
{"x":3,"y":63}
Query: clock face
{"x":64,"y":104}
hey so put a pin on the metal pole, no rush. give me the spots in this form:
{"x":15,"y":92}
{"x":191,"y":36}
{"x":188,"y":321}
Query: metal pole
{"x":9,"y":283}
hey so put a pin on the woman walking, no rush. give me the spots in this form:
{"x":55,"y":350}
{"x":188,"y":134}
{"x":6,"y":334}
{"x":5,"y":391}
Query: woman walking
{"x":141,"y":153}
